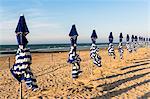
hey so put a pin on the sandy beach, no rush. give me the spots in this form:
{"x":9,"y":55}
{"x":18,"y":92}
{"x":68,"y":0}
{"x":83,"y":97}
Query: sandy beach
{"x":116,"y":79}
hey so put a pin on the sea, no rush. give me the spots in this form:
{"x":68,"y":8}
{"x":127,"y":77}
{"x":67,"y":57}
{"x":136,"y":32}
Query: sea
{"x":11,"y":49}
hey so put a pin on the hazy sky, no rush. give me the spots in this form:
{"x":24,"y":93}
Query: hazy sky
{"x":50,"y":21}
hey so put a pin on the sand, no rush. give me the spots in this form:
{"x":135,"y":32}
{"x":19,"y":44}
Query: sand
{"x":117,"y":79}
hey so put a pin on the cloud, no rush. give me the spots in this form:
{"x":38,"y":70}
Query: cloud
{"x":40,"y":25}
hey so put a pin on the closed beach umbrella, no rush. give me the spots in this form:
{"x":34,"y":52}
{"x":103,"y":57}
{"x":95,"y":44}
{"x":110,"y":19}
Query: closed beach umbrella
{"x":21,"y":69}
{"x":135,"y":43}
{"x":74,"y":58}
{"x":132,"y":43}
{"x":94,"y":50}
{"x":128,"y":44}
{"x":120,"y":48}
{"x":139,"y":41}
{"x":111,"y":50}
{"x":149,"y":42}
{"x":144,"y":40}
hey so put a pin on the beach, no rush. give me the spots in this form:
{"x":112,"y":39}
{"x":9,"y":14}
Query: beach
{"x":128,"y":78}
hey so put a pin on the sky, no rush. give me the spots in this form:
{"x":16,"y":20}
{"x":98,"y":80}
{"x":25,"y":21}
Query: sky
{"x":50,"y":21}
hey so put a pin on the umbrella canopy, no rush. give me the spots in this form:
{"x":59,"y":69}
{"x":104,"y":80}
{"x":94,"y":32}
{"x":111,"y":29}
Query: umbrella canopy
{"x":73,"y":34}
{"x":73,"y":31}
{"x":22,"y":31}
{"x":120,"y":48}
{"x":120,"y":37}
{"x":139,"y":38}
{"x":94,"y":35}
{"x":22,"y":27}
{"x":136,"y":38}
{"x":74,"y":58}
{"x":94,"y":50}
{"x":110,"y":38}
{"x":128,"y":44}
{"x":127,"y":38}
{"x":111,"y":50}
{"x":132,"y":38}
{"x":144,"y":39}
{"x":21,"y":69}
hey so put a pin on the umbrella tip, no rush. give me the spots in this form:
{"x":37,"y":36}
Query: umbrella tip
{"x":21,"y":14}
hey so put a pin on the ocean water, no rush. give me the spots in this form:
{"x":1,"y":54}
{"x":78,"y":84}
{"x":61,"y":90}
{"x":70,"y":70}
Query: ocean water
{"x":8,"y":49}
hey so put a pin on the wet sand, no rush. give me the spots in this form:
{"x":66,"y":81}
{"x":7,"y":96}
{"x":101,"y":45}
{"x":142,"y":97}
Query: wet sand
{"x":117,"y":79}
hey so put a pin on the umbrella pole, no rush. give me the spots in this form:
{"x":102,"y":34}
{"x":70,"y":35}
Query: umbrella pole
{"x":9,"y":62}
{"x":21,"y":90}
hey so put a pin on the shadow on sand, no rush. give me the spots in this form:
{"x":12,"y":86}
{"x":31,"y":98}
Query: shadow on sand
{"x":112,"y":76}
{"x":145,"y":96}
{"x":111,"y":94}
{"x":141,"y":61}
{"x":136,"y":65}
{"x":110,"y":86}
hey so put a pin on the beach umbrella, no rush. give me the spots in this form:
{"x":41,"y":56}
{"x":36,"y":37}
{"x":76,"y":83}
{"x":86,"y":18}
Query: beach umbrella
{"x":74,"y":58}
{"x":21,"y":69}
{"x":111,"y":50}
{"x":149,"y":42}
{"x":128,"y":45}
{"x":94,"y":50}
{"x":139,"y":41}
{"x":132,"y":43}
{"x":120,"y":48}
{"x":135,"y":43}
{"x":144,"y":41}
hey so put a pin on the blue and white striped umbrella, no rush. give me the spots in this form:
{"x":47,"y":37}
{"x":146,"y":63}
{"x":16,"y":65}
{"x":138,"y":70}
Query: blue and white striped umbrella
{"x":149,"y":42}
{"x":120,"y":48}
{"x":94,"y":50}
{"x":21,"y":69}
{"x":128,"y":44}
{"x":21,"y":31}
{"x":135,"y":43}
{"x":74,"y":58}
{"x":132,"y":43}
{"x":143,"y":41}
{"x":111,"y":51}
{"x":140,"y":42}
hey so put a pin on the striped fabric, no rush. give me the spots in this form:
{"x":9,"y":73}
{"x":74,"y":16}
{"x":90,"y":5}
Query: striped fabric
{"x":111,"y":51}
{"x":94,"y":50}
{"x":135,"y":45}
{"x":21,"y":69}
{"x":75,"y":60}
{"x":128,"y":46}
{"x":132,"y":46}
{"x":94,"y":55}
{"x":149,"y":42}
{"x":120,"y":50}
